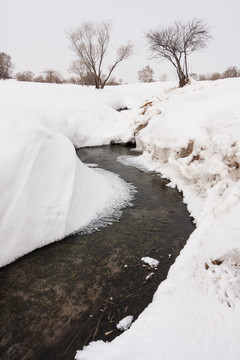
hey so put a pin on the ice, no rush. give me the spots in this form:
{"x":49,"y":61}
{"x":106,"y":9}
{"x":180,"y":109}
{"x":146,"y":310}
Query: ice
{"x":47,"y":192}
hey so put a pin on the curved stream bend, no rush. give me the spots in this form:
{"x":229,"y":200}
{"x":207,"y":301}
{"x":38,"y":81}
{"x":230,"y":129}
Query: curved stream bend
{"x":60,"y":297}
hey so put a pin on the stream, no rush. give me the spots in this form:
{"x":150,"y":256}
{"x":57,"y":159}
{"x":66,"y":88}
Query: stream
{"x":59,"y":298}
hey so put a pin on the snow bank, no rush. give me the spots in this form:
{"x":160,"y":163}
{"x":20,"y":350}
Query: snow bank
{"x":46,"y":191}
{"x":192,"y":137}
{"x":88,"y":117}
{"x":189,"y":135}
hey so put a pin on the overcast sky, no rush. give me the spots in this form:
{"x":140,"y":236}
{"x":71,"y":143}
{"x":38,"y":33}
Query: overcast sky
{"x":33,"y":32}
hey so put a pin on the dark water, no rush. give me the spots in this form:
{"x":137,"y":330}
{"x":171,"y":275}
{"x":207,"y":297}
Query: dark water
{"x":59,"y":298}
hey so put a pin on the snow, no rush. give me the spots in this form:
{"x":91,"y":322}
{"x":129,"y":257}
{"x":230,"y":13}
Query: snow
{"x":125,"y":323}
{"x":87,"y":116}
{"x":190,"y":136}
{"x":150,"y":261}
{"x":46,"y":191}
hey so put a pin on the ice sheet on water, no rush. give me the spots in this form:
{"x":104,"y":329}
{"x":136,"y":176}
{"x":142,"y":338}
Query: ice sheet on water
{"x":123,"y":196}
{"x":136,"y":161}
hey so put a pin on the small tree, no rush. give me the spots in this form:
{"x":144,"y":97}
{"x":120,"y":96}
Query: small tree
{"x":52,"y":76}
{"x":6,"y":66}
{"x":78,"y":68}
{"x":175,"y":43}
{"x":202,"y":77}
{"x":146,"y":74}
{"x":25,"y":76}
{"x":215,"y":76}
{"x":231,"y":72}
{"x":90,"y":42}
{"x":39,"y":79}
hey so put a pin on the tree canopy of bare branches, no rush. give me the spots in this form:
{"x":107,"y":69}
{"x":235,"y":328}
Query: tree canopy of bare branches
{"x":25,"y":76}
{"x":146,"y":74}
{"x":52,"y":76}
{"x":175,"y":43}
{"x":231,"y":72}
{"x":6,"y":66}
{"x":78,"y":68}
{"x":90,"y":42}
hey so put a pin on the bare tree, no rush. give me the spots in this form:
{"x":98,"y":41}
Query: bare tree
{"x":52,"y":76}
{"x":78,"y":68}
{"x":25,"y":76}
{"x":202,"y":77}
{"x":6,"y":66}
{"x":231,"y":72}
{"x":39,"y":78}
{"x":90,"y":42}
{"x":215,"y":76}
{"x":175,"y":43}
{"x":146,"y":74}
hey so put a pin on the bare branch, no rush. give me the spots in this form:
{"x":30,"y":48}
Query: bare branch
{"x":123,"y":52}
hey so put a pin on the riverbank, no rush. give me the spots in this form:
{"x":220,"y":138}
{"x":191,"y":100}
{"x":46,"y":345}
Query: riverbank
{"x":53,"y":194}
{"x":72,"y":292}
{"x":191,"y":136}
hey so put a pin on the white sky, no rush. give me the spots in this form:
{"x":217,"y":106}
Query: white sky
{"x":33,"y":32}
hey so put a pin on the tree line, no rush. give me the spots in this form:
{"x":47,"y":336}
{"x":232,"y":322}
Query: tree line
{"x":146,"y":74}
{"x":230,"y":72}
{"x":90,"y":43}
{"x":55,"y":77}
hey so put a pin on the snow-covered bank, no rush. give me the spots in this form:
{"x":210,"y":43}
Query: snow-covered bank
{"x":46,"y":191}
{"x":88,"y":117}
{"x":191,"y":136}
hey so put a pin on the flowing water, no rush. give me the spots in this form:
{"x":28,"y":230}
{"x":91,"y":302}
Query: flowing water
{"x":59,"y":298}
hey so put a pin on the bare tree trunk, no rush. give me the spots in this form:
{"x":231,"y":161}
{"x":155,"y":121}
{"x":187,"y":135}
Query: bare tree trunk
{"x":181,"y":75}
{"x":186,"y":66}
